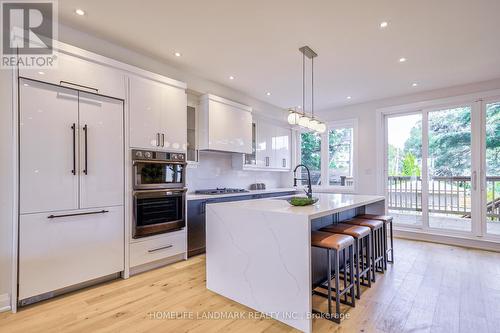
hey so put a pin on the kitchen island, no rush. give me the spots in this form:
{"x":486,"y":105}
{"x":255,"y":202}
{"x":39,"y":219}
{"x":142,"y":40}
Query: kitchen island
{"x":259,"y":251}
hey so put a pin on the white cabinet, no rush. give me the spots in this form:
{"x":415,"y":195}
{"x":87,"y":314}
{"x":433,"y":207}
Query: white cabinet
{"x":158,"y":117}
{"x":72,"y":187}
{"x":48,"y":122}
{"x":157,"y":248}
{"x":78,"y":73}
{"x":225,"y":125}
{"x":272,"y":148}
{"x":58,"y":252}
{"x":71,"y":153}
{"x":101,"y":151}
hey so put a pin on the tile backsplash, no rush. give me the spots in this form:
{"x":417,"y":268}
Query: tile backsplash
{"x":215,"y":170}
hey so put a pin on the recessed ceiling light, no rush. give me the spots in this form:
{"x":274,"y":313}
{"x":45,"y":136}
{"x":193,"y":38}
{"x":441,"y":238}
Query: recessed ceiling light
{"x":41,"y":73}
{"x":402,"y":59}
{"x":231,"y":77}
{"x":177,"y":54}
{"x":349,"y":97}
{"x":299,"y":107}
{"x":384,"y":24}
{"x":268,"y":93}
{"x":80,"y":12}
{"x":414,"y":84}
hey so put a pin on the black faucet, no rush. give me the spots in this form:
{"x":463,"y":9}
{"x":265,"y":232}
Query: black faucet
{"x":309,"y":191}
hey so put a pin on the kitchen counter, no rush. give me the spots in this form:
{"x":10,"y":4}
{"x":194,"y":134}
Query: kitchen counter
{"x":259,"y":251}
{"x":193,"y":196}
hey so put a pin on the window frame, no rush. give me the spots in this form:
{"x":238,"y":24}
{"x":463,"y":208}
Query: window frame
{"x":325,"y":154}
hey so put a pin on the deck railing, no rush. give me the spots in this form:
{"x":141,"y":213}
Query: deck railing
{"x":448,"y":195}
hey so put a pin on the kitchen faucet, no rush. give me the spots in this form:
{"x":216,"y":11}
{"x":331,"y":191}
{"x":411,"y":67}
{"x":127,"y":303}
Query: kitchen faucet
{"x":309,"y":187}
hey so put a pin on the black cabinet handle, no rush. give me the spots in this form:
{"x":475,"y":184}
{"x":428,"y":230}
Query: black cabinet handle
{"x":158,"y":139}
{"x":77,"y":214}
{"x":160,"y":248}
{"x":61,"y":83}
{"x":162,"y":140}
{"x":73,"y":128}
{"x":85,"y":130}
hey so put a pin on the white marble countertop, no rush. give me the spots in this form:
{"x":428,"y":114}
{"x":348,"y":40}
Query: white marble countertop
{"x":327,"y":204}
{"x":193,"y":196}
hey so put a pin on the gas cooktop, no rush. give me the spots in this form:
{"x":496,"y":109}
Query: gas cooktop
{"x":221,"y":191}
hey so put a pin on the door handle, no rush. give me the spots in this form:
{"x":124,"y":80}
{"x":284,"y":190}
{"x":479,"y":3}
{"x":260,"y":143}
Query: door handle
{"x":85,"y":131}
{"x":61,"y":83}
{"x":474,"y":180}
{"x":284,"y":163}
{"x":162,"y":140}
{"x":160,"y":248}
{"x":73,"y":128}
{"x":267,"y":161}
{"x":157,"y":139}
{"x":77,"y":214}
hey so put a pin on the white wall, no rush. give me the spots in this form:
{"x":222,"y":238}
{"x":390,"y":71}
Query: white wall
{"x":215,"y":170}
{"x":367,"y":131}
{"x":6,"y":188}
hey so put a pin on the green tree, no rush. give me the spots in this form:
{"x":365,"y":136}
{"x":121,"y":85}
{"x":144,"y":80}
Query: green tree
{"x":410,"y":166}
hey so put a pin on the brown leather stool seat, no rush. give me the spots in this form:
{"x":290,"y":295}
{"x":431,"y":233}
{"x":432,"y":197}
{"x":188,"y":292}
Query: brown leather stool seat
{"x":361,"y":236}
{"x":327,"y":240}
{"x":335,"y":243}
{"x":387,"y":219}
{"x":378,"y":246}
{"x":355,"y":231}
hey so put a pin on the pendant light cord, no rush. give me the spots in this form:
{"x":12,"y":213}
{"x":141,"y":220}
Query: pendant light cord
{"x":312,"y":87}
{"x":303,"y":84}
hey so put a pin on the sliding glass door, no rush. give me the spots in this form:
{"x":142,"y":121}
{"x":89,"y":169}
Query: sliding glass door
{"x":449,"y":135}
{"x":491,"y":183}
{"x":404,"y":168}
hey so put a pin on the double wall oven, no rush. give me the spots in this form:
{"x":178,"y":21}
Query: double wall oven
{"x":159,"y":192}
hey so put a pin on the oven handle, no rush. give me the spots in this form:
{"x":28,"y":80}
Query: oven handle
{"x":135,"y":162}
{"x":160,"y":248}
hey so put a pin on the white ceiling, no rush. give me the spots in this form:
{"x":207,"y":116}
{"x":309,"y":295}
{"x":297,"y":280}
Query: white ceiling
{"x":446,"y":42}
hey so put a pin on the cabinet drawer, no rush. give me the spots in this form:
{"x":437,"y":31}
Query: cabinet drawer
{"x":158,"y":248}
{"x":64,"y":248}
{"x":77,"y":73}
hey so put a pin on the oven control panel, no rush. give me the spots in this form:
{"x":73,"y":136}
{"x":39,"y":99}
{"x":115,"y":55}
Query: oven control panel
{"x":158,"y":156}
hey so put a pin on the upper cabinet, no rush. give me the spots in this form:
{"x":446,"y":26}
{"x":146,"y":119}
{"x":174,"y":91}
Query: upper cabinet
{"x":224,"y":125}
{"x":158,"y":117}
{"x":271,"y":148}
{"x":77,"y":73}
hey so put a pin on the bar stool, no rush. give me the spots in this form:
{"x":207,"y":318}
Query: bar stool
{"x":387,"y":219}
{"x":378,"y":249}
{"x":360,"y":234}
{"x":335,"y":243}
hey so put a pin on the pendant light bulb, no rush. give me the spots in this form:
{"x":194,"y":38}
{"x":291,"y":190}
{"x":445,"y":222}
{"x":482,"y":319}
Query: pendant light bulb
{"x":321,"y":128}
{"x":293,"y":118}
{"x":304,"y":121}
{"x":313,"y":124}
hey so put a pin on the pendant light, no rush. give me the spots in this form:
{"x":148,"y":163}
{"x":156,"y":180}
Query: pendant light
{"x":302,"y":119}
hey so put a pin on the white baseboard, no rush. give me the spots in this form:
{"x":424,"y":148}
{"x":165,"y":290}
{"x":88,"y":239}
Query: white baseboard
{"x":4,"y":303}
{"x":481,"y":244}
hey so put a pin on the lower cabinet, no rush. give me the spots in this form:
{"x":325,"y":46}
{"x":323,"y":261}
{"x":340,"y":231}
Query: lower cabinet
{"x":196,"y":218}
{"x":61,"y":249}
{"x":157,"y":248}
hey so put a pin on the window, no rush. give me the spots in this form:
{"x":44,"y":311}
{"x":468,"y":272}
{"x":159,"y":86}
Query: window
{"x":340,"y":156}
{"x":310,"y":156}
{"x":334,"y":152}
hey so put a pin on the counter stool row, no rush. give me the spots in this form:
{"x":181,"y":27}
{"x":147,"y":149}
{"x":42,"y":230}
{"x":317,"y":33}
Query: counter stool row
{"x":362,"y":238}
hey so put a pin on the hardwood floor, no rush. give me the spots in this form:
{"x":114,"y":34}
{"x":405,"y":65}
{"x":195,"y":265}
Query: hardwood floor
{"x":431,"y":288}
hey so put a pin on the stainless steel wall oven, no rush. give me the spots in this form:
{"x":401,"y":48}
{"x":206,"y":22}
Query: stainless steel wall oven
{"x":159,"y":195}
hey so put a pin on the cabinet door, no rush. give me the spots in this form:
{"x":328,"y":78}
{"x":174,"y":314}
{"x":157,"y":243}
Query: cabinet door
{"x":48,"y":147}
{"x":230,"y":128}
{"x":174,"y":119}
{"x":264,"y":149}
{"x":146,"y":104}
{"x":281,"y":141}
{"x":101,"y":151}
{"x":59,"y":252}
{"x":74,"y":72}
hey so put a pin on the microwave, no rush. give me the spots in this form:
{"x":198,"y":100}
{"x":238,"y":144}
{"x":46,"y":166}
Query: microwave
{"x":153,"y":170}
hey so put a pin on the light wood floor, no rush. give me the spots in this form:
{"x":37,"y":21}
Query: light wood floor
{"x":431,"y":288}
